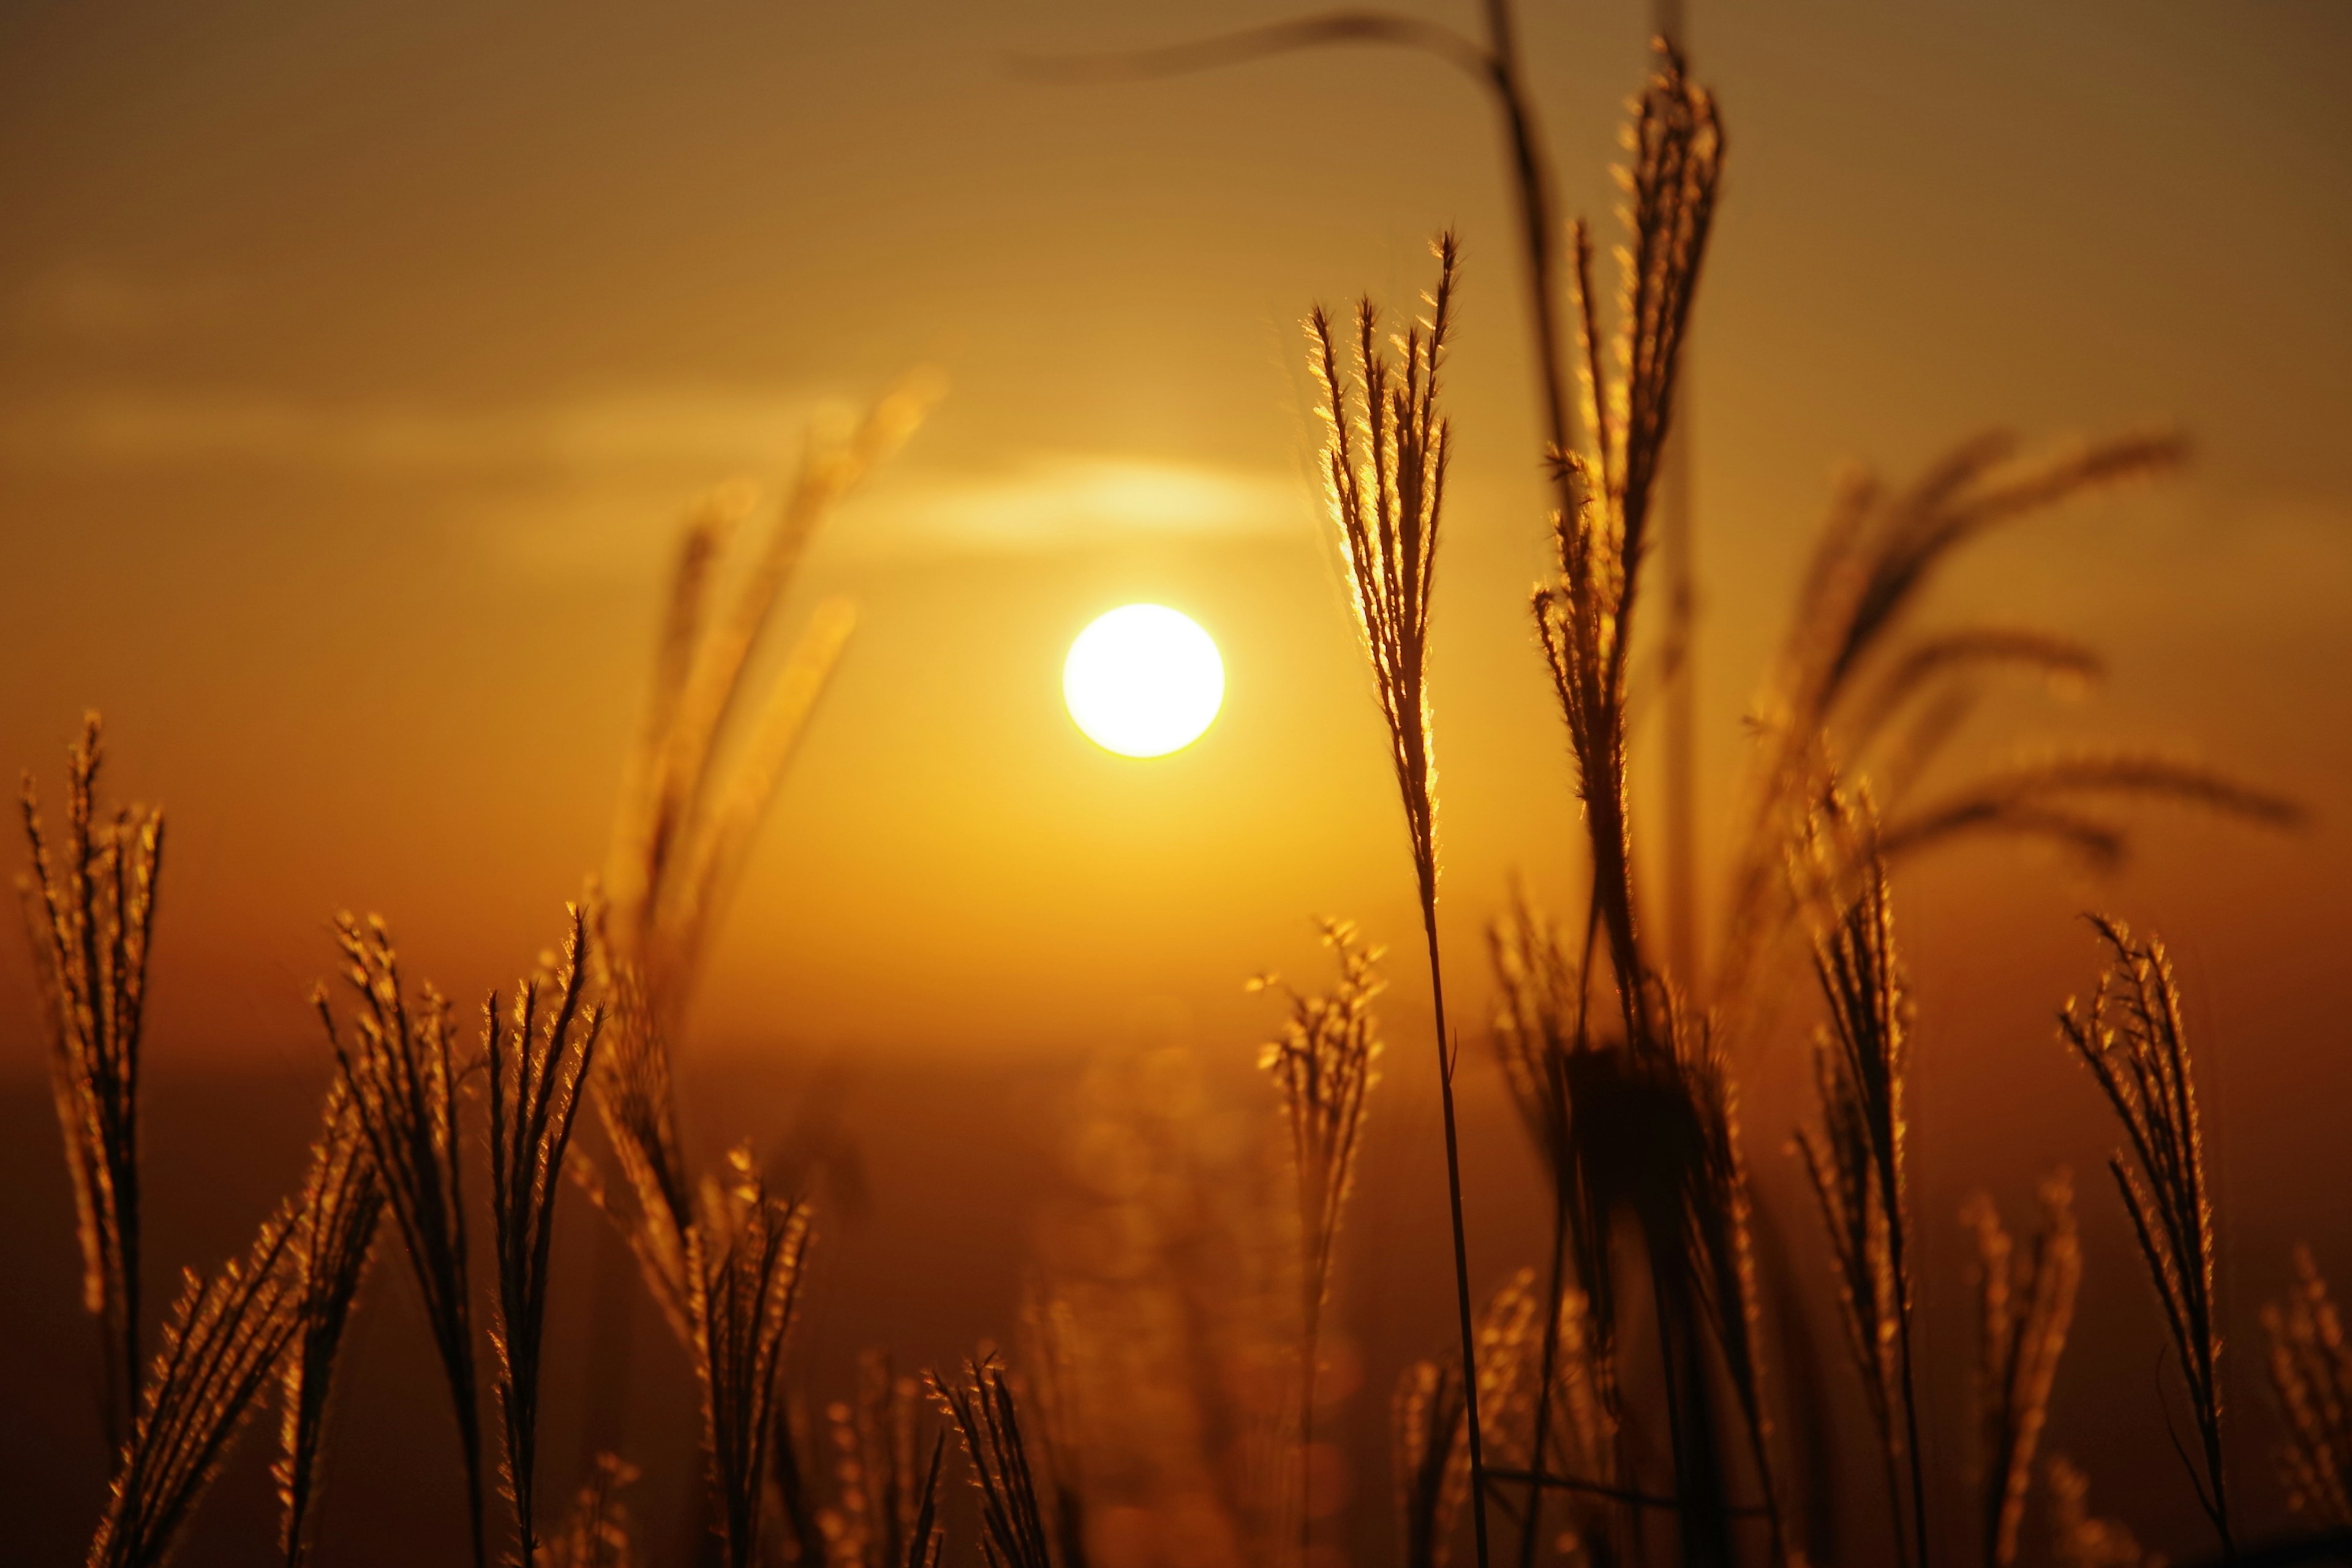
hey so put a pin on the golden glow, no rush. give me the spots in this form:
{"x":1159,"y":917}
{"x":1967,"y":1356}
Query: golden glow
{"x":1143,"y":681}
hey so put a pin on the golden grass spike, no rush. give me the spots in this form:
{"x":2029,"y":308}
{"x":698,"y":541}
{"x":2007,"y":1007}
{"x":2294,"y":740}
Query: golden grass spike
{"x":1384,"y":467}
{"x":536,"y":1065}
{"x":1324,"y":1062}
{"x":2024,"y":1306}
{"x":745,"y":1255}
{"x":1013,"y":1492}
{"x":1856,"y":1161}
{"x":221,"y":1343}
{"x":2131,"y":1038}
{"x":398,"y":1064}
{"x":2311,"y":1375}
{"x":89,"y":916}
{"x":342,"y":1206}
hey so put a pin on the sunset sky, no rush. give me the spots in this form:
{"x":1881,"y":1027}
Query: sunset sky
{"x":358,"y":360}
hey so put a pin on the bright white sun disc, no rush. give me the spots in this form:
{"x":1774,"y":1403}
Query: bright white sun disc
{"x":1143,"y":681}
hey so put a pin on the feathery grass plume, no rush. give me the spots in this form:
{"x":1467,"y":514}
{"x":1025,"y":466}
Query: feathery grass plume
{"x":2131,"y":1038}
{"x":1384,"y":466}
{"x":2025,"y":1305}
{"x":926,"y":1538}
{"x":1425,"y":1422}
{"x":1325,"y":1063}
{"x":89,"y":915}
{"x":221,"y":1345}
{"x":746,"y":1257}
{"x":1585,"y":617}
{"x":2078,"y":1539}
{"x":1861,"y":1059}
{"x":597,"y":1534}
{"x":1857,"y":694}
{"x":2311,"y":1373}
{"x":1014,"y":1493}
{"x":707,"y":765}
{"x":335,"y":1223}
{"x":399,"y":1067}
{"x":536,"y":1058}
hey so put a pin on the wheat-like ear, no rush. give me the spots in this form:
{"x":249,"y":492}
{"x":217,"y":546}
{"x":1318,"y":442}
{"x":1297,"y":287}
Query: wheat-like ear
{"x":1384,"y":465}
{"x":399,"y":1066}
{"x":89,"y":913}
{"x":537,"y":1057}
{"x":1016,"y":1497}
{"x":2131,"y":1038}
{"x":2311,"y":1373}
{"x":1861,"y":1060}
{"x":220,"y":1345}
{"x":745,"y":1256}
{"x":334,"y":1239}
{"x":2025,"y":1305}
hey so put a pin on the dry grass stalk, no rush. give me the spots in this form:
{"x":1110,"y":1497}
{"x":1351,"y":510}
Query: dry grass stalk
{"x":336,"y":1219}
{"x":537,"y":1059}
{"x":1861,"y":1060}
{"x":747,"y":1256}
{"x":2311,"y":1373}
{"x":1574,"y":1454}
{"x":597,"y":1534}
{"x":1018,"y":1498}
{"x":1324,"y":1062}
{"x":2078,"y":1538}
{"x":1585,"y":617}
{"x":2024,"y":1306}
{"x":221,"y":1345}
{"x":399,"y":1066}
{"x":2131,"y":1038}
{"x":1384,"y":471}
{"x":89,"y":913}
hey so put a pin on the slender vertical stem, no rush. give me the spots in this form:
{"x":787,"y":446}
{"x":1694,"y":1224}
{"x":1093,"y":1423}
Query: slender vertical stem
{"x":1427,"y":868}
{"x":1537,"y":1459}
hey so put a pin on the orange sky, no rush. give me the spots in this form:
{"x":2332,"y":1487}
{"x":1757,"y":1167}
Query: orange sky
{"x":355,"y":360}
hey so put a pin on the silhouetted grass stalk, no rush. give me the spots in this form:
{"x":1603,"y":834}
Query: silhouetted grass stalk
{"x":2131,"y":1038}
{"x":1384,"y":468}
{"x":90,"y":914}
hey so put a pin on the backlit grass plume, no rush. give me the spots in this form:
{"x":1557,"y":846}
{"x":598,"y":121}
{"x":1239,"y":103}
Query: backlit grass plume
{"x":1324,"y":1064}
{"x":2311,"y":1373}
{"x":537,"y":1055}
{"x":597,"y":1534}
{"x":335,"y":1223}
{"x":221,"y":1345}
{"x":1585,"y":617}
{"x":1425,"y":1422}
{"x":2131,"y":1038}
{"x":399,"y":1066}
{"x":881,"y":1498}
{"x":1861,"y":1059}
{"x":1016,"y":1498}
{"x":1859,"y":693}
{"x":1384,"y":465}
{"x":745,"y":1256}
{"x":89,"y":912}
{"x":2026,"y":1303}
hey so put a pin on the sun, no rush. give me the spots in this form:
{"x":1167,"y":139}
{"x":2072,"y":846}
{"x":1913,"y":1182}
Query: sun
{"x":1143,"y":681}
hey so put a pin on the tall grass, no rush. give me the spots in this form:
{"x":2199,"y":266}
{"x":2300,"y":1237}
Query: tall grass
{"x":89,"y":912}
